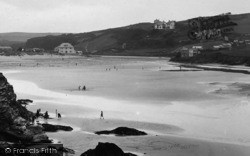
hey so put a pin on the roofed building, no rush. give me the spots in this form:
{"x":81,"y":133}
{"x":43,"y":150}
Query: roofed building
{"x":65,"y":48}
{"x":189,"y":52}
{"x":162,"y":25}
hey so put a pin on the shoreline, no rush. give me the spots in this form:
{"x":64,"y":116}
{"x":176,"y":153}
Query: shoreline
{"x":216,"y":68}
{"x":86,"y":119}
{"x":129,"y":121}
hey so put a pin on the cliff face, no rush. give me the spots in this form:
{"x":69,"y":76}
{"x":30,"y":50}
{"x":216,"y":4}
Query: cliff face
{"x":10,"y":109}
{"x":15,"y":119}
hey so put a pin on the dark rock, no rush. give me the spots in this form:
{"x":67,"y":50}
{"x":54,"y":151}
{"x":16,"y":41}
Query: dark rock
{"x":15,"y":118}
{"x":10,"y":109}
{"x":106,"y":149}
{"x":15,"y":136}
{"x":34,"y":129}
{"x":24,"y":101}
{"x":123,"y":131}
{"x":66,"y":150}
{"x":41,"y":138}
{"x":25,"y":136}
{"x":55,"y":128}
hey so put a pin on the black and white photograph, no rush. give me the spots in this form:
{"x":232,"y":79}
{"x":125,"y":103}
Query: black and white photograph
{"x":125,"y":78}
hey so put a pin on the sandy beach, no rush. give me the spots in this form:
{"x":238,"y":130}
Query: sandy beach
{"x":181,"y":111}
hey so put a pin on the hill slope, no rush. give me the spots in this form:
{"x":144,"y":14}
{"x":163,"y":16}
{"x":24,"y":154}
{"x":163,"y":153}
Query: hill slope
{"x":133,"y":39}
{"x":22,"y":36}
{"x":243,"y":21}
{"x":116,"y":41}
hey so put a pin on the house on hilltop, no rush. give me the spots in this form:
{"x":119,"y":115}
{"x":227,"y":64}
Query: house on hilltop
{"x":162,"y":25}
{"x":188,"y":52}
{"x":199,"y":47}
{"x":65,"y":48}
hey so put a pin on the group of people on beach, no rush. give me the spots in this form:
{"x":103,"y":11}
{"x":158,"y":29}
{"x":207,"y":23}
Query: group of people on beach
{"x":108,"y":69}
{"x":83,"y":88}
{"x":45,"y":115}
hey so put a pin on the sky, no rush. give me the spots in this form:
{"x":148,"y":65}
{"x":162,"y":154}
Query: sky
{"x":76,"y":16}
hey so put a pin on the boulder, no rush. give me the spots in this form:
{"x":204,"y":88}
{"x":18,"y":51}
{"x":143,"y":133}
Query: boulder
{"x":34,"y":129}
{"x":106,"y":149}
{"x":122,"y":131}
{"x":15,"y":136}
{"x":19,"y":121}
{"x":41,"y":138}
{"x":11,"y":111}
{"x":55,"y":128}
{"x":15,"y":118}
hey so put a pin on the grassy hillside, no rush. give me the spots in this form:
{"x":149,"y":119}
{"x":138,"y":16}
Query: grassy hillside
{"x":134,"y":39}
{"x":239,"y":56}
{"x":18,"y":39}
{"x":22,"y":37}
{"x":101,"y":42}
{"x":243,"y":21}
{"x":118,"y":40}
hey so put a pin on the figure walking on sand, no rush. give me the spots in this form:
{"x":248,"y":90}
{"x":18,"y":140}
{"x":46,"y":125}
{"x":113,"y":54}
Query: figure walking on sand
{"x":101,"y":116}
{"x":46,"y":115}
{"x":33,"y":119}
{"x":59,"y":115}
{"x":38,"y":113}
{"x":79,"y":87}
{"x":84,"y":88}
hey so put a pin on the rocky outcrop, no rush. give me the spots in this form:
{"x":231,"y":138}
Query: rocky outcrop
{"x":55,"y":128}
{"x":106,"y":149}
{"x":122,"y":131}
{"x":15,"y":118}
{"x":24,"y":102}
{"x":9,"y":108}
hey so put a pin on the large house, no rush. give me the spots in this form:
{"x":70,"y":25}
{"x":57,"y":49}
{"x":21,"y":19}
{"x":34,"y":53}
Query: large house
{"x":188,"y":52}
{"x":65,"y":48}
{"x":164,"y":25}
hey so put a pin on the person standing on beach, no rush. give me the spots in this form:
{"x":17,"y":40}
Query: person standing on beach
{"x":84,"y":88}
{"x":79,"y":88}
{"x":33,"y":119}
{"x":38,"y":112}
{"x":46,"y":115}
{"x":101,"y":117}
{"x":59,"y":115}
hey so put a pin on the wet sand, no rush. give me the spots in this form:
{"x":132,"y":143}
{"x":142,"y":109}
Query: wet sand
{"x":180,"y":114}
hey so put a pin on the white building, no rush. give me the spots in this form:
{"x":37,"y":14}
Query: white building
{"x":65,"y":48}
{"x":216,"y":47}
{"x":247,"y":42}
{"x":164,"y":25}
{"x":197,"y":47}
{"x":188,"y":52}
